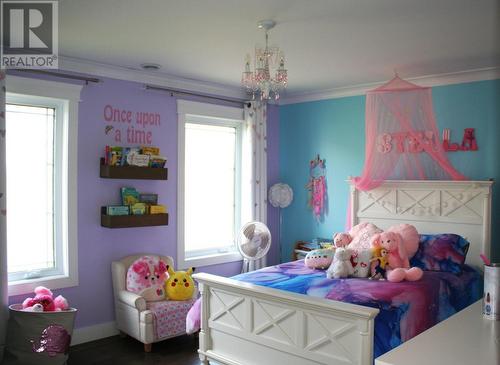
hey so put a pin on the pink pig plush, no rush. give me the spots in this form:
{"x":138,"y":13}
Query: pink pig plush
{"x":146,"y":277}
{"x":401,"y":242}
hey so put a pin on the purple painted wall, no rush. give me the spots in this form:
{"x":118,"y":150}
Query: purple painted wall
{"x":98,"y":246}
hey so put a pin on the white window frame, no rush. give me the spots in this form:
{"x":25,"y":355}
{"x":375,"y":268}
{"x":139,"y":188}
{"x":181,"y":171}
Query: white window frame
{"x":192,"y":112}
{"x":64,"y":98}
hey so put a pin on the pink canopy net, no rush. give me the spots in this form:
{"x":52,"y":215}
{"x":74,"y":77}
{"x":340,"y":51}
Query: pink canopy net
{"x":402,"y":139}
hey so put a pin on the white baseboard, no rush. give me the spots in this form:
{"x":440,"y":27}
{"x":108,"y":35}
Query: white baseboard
{"x":92,"y":333}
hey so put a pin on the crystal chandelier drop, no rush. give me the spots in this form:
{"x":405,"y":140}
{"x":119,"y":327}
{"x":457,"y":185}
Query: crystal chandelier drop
{"x":261,"y":82}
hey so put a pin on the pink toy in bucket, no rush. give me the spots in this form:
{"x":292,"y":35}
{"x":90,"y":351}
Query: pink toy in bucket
{"x":44,"y":301}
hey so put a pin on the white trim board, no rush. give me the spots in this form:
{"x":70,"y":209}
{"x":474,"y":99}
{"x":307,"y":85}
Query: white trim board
{"x":156,"y":78}
{"x":483,"y":74}
{"x":92,"y":333}
{"x":67,"y":97}
{"x":224,"y":114}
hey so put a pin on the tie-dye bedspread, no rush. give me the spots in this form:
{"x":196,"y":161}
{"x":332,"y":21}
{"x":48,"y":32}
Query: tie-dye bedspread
{"x":406,"y":308}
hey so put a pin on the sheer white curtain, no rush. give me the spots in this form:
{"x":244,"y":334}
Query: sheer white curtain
{"x":3,"y":222}
{"x":254,"y":163}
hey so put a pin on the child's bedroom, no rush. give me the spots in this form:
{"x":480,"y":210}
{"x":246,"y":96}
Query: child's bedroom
{"x":250,"y":182}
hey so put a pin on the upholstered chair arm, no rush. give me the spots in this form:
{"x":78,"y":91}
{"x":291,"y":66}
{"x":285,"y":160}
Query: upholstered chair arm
{"x":132,"y":300}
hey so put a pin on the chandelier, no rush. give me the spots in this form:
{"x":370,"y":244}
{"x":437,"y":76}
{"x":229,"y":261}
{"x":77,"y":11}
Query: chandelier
{"x":261,"y":81}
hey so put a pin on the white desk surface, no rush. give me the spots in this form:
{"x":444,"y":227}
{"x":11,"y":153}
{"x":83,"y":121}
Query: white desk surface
{"x":465,"y":338}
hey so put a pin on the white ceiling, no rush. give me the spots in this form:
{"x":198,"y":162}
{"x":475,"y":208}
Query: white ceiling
{"x":328,"y":43}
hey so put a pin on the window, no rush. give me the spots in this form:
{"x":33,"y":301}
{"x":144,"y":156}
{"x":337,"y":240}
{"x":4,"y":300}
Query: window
{"x":209,"y":206}
{"x":41,"y":184}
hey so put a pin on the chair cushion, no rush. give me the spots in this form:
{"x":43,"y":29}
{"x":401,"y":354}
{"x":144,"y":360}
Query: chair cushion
{"x":170,"y":316}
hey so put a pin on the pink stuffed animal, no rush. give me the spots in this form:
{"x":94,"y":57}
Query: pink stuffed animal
{"x":45,"y":298}
{"x":398,"y":264}
{"x":146,"y":277}
{"x":361,"y":235}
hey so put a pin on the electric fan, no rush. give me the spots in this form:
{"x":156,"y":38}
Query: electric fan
{"x":254,"y":241}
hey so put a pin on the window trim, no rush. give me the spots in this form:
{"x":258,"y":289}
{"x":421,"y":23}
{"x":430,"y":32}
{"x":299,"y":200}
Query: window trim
{"x":59,"y":124}
{"x":190,"y":111}
{"x":68,"y":96}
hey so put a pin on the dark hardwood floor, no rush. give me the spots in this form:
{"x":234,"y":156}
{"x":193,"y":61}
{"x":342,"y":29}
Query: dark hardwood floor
{"x":127,"y":351}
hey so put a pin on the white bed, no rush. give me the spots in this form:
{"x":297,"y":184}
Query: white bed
{"x":245,"y":324}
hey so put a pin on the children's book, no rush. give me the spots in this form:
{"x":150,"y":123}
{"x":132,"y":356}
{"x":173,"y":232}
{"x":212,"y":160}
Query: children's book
{"x":149,"y":150}
{"x":157,"y":161}
{"x":115,"y":155}
{"x":130,"y":196}
{"x":151,"y":199}
{"x":128,"y":155}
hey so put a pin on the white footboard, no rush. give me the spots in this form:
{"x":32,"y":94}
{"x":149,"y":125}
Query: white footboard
{"x":243,"y":324}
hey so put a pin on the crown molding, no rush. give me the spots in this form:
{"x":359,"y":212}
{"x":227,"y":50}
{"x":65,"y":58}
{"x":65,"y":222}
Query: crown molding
{"x":482,"y":74}
{"x":159,"y":78}
{"x":156,"y":78}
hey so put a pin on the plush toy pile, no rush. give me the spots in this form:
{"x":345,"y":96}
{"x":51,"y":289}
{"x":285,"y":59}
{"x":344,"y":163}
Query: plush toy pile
{"x":151,"y":278}
{"x":44,"y":301}
{"x":400,"y":243}
{"x":367,"y":251}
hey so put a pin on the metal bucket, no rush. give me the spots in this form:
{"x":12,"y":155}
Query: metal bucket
{"x":491,"y":299}
{"x":38,"y":337}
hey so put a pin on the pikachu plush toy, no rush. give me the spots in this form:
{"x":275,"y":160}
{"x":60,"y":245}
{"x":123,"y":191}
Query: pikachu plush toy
{"x":180,"y":284}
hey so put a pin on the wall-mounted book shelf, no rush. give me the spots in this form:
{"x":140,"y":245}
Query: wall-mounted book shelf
{"x":132,"y":172}
{"x":127,"y":221}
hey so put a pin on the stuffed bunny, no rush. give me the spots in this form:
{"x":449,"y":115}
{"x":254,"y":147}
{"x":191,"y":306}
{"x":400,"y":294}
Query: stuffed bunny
{"x":398,"y":264}
{"x":341,"y":266}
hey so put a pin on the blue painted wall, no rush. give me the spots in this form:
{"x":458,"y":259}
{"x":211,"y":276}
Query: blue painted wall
{"x":335,"y":129}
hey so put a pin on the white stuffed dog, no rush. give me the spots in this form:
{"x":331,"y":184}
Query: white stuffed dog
{"x":341,"y":266}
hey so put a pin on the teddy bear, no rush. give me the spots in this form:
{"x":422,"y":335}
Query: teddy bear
{"x":341,"y":266}
{"x":341,"y":239}
{"x":401,"y":243}
{"x":358,"y":240}
{"x":469,"y":141}
{"x":44,"y":301}
{"x":146,"y":277}
{"x":180,"y":284}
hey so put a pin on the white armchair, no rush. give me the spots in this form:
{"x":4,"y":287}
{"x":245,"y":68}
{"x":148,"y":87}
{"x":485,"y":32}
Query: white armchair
{"x":131,"y":312}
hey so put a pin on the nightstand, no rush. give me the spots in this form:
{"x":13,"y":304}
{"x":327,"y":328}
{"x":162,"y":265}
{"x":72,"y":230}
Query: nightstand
{"x":465,"y":338}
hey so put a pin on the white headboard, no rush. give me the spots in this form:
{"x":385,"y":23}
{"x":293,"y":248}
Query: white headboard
{"x":432,"y":206}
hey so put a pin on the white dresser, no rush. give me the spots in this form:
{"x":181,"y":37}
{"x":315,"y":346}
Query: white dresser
{"x":465,"y":338}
